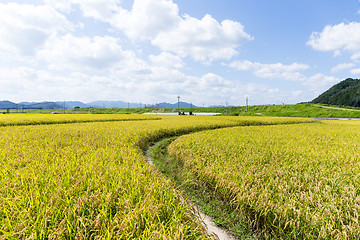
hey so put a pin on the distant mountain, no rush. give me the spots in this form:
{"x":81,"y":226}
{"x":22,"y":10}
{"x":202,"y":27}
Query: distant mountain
{"x":214,"y":106}
{"x":113,"y":104}
{"x":26,"y":103}
{"x":95,"y":104}
{"x":345,"y":93}
{"x":175,"y":105}
{"x":72,"y":104}
{"x":7,"y":104}
{"x":43,"y":105}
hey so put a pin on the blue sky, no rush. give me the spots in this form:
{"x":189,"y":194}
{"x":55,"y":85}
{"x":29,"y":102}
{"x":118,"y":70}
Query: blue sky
{"x":207,"y":51}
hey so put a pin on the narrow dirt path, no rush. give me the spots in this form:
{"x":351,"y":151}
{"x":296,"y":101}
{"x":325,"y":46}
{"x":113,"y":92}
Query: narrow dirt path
{"x":338,"y":108}
{"x":206,"y":221}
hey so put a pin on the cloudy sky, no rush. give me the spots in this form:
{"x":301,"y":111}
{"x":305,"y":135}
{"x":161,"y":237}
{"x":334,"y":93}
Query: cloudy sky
{"x":207,"y":51}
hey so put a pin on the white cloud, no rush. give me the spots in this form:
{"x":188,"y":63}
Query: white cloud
{"x":244,"y":65}
{"x":167,"y":77}
{"x":337,"y":38}
{"x":67,"y":62}
{"x":290,"y":72}
{"x":319,"y":82}
{"x":11,"y":78}
{"x":102,"y":10}
{"x":63,"y":6}
{"x":342,"y":66}
{"x":203,"y":40}
{"x":160,"y":84}
{"x":69,"y":52}
{"x":143,"y":21}
{"x":166,"y":59}
{"x":147,"y":18}
{"x":213,"y":89}
{"x":211,"y":81}
{"x":272,"y":71}
{"x":29,"y":84}
{"x":355,"y":71}
{"x":25,"y":28}
{"x":158,"y":21}
{"x":355,"y":56}
{"x":280,"y":71}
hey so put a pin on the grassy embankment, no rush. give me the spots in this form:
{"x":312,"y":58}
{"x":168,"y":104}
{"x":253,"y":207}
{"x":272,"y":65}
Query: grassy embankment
{"x":296,"y":110}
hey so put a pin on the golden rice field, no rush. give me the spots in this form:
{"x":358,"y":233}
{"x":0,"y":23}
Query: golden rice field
{"x":35,"y":119}
{"x":88,"y":179}
{"x":294,"y":181}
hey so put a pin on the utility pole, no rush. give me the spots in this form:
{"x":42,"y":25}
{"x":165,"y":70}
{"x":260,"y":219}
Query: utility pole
{"x":226,"y":107}
{"x":64,"y":107}
{"x":247,"y":103}
{"x":178,"y":97}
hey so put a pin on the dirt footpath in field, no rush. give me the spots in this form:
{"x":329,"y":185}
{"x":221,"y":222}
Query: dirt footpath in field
{"x":209,"y":225}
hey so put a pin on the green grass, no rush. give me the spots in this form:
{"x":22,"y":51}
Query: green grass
{"x":81,"y":110}
{"x":295,"y":110}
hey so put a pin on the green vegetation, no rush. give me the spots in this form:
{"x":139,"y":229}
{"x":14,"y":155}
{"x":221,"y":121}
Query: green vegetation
{"x":83,"y":110}
{"x":304,"y":110}
{"x":345,"y":93}
{"x":295,"y":110}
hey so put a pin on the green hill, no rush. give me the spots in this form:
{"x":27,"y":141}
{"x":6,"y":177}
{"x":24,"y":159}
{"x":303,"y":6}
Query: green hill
{"x":345,"y":93}
{"x":7,"y":104}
